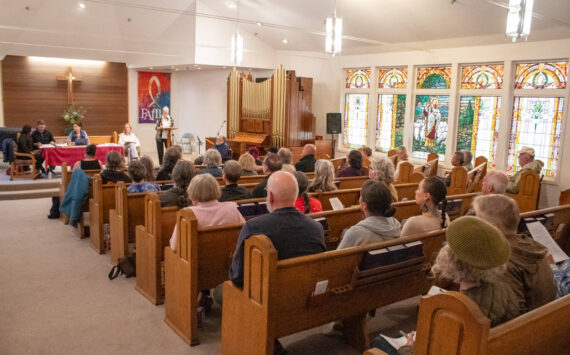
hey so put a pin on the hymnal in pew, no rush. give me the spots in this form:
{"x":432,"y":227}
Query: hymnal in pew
{"x":391,"y":255}
{"x":539,"y":233}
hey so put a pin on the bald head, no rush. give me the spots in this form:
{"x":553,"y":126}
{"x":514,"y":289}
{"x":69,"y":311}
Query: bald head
{"x":495,"y":182}
{"x":309,"y":149}
{"x":282,"y":190}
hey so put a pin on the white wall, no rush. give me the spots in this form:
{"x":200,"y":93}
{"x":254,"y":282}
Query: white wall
{"x":1,"y":98}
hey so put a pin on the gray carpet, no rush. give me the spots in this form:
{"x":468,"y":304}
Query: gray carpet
{"x":56,"y":298}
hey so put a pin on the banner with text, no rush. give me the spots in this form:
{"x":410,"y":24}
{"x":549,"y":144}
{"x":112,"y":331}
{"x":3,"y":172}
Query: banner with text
{"x":153,"y":95}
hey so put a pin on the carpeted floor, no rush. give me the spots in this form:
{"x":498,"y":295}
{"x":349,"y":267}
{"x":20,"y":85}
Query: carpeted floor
{"x":56,"y":298}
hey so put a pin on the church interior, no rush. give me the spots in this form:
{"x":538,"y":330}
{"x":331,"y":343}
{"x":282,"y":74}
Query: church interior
{"x":444,"y":120}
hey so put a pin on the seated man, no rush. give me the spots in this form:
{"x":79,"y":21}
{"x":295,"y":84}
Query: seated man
{"x":456,"y":160}
{"x":42,"y":136}
{"x":528,"y":271}
{"x":292,"y":233}
{"x":526,"y":161}
{"x":271,"y":164}
{"x":307,"y":162}
{"x":231,"y":175}
{"x":495,"y":182}
{"x":222,"y":147}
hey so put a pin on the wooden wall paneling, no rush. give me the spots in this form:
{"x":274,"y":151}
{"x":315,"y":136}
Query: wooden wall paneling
{"x":32,"y":92}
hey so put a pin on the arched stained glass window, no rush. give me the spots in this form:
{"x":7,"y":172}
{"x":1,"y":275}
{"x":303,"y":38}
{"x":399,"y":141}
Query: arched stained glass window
{"x":536,"y":123}
{"x":392,"y":78}
{"x":552,"y":75}
{"x":358,"y":78}
{"x":482,"y":76}
{"x":434,"y":77}
{"x":390,"y":123}
{"x":355,"y":120}
{"x":478,"y":126}
{"x":430,"y":125}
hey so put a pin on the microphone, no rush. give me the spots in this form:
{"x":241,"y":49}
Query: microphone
{"x":222,"y":125}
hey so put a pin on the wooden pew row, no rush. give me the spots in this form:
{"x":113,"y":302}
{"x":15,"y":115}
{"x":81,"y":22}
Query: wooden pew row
{"x":408,"y":174}
{"x":478,"y":185}
{"x":463,"y":181}
{"x":256,"y":179}
{"x":529,"y":186}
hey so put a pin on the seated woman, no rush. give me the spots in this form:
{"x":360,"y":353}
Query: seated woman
{"x":285,"y":155}
{"x":149,"y":166}
{"x":378,"y":224}
{"x":204,"y":192}
{"x":89,"y":162}
{"x":247,"y":162}
{"x":213,"y":162}
{"x":78,"y":136}
{"x":402,"y":154}
{"x":26,"y":145}
{"x":304,"y":203}
{"x":355,"y":165}
{"x":324,"y":177}
{"x":130,"y":142}
{"x":137,"y":172}
{"x":474,"y":258}
{"x":255,"y":154}
{"x":458,"y":159}
{"x":430,"y":196}
{"x":182,"y":174}
{"x":114,"y":169}
{"x":382,"y":169}
{"x":171,"y":157}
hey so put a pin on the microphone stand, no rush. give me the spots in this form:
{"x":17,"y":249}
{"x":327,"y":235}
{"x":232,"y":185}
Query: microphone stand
{"x":222,"y":125}
{"x":199,"y":145}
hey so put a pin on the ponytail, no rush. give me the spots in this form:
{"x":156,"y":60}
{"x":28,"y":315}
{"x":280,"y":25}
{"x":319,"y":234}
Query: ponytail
{"x":307,"y":203}
{"x":443,"y":208}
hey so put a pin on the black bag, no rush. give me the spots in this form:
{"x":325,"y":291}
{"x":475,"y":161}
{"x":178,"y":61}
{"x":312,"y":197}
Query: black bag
{"x":126,"y":266}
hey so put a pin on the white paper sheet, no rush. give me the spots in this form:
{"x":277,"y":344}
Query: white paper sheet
{"x":541,"y":235}
{"x":336,"y":204}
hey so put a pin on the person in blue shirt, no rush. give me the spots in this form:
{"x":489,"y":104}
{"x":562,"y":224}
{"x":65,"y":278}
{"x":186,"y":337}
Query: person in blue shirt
{"x":78,"y":136}
{"x":137,"y":172}
{"x":222,"y":147}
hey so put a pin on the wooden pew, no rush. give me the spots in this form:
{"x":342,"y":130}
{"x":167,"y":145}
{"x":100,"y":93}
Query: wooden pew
{"x":478,"y":185}
{"x":253,"y":317}
{"x":348,"y":197}
{"x":458,"y":183}
{"x":338,"y":163}
{"x":351,"y":182}
{"x":475,"y":177}
{"x":102,"y":201}
{"x":256,"y":179}
{"x":151,"y":238}
{"x":407,"y":191}
{"x":564,"y":197}
{"x":529,"y":185}
{"x":408,"y":174}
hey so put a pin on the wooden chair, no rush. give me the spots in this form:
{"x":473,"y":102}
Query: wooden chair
{"x":527,"y":197}
{"x":19,"y":165}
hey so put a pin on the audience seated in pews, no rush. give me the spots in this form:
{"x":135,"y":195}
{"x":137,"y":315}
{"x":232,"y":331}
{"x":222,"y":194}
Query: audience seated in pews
{"x":271,"y":164}
{"x":231,"y":174}
{"x":402,"y":156}
{"x":130,"y":142}
{"x":213,"y":162}
{"x":494,"y":182}
{"x":89,"y":162}
{"x":254,"y":152}
{"x":381,"y":169}
{"x":222,"y":147}
{"x":355,"y":165}
{"x":467,"y":160}
{"x":292,"y":233}
{"x":474,"y":257}
{"x":285,"y":155}
{"x":307,"y":163}
{"x":182,"y":174}
{"x":378,"y":224}
{"x":171,"y":157}
{"x":528,"y":271}
{"x":526,"y":161}
{"x":248,"y":167}
{"x":303,"y":203}
{"x":430,"y":196}
{"x":78,"y":136}
{"x":458,"y":159}
{"x":324,"y":177}
{"x":137,"y":172}
{"x":149,"y":167}
{"x":26,"y":145}
{"x":114,"y":169}
{"x":204,"y":192}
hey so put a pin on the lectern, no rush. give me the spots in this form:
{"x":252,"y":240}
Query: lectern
{"x":169,"y":135}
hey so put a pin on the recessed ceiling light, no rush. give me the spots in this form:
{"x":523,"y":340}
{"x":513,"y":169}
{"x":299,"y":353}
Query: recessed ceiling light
{"x":285,"y":41}
{"x":259,"y":24}
{"x":230,"y":4}
{"x":81,"y":5}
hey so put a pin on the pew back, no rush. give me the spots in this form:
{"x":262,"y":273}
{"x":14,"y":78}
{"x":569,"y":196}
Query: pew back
{"x":458,"y":183}
{"x":529,"y":185}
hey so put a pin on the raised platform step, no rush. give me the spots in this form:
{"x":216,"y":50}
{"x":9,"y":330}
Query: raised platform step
{"x":26,"y":185}
{"x":28,"y":194}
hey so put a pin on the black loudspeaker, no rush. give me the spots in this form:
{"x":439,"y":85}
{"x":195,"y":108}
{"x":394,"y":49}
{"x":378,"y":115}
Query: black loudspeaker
{"x":334,"y":123}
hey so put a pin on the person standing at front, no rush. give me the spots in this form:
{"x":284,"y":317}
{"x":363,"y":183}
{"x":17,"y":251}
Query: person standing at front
{"x":161,"y":134}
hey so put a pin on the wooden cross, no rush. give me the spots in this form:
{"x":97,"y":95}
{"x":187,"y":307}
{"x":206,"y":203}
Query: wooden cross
{"x":70,"y":79}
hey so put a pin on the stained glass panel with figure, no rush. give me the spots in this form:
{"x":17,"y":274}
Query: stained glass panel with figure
{"x":478,"y":126}
{"x":392,"y":78}
{"x":553,"y":75}
{"x":434,"y":77}
{"x":358,"y":78}
{"x":536,"y":123}
{"x":390,"y":123}
{"x":355,"y":120}
{"x":430,"y":125}
{"x":482,"y":76}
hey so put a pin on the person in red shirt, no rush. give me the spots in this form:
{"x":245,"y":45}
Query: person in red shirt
{"x":304,"y":203}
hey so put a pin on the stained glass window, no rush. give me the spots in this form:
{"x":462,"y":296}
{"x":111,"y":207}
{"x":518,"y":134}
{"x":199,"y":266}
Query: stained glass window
{"x":434,"y":77}
{"x":552,"y":75}
{"x":482,"y":76}
{"x":390,"y":123}
{"x":358,"y":78}
{"x":478,"y":127}
{"x":355,"y":120}
{"x":536,"y":124}
{"x":392,"y":78}
{"x":430,"y":125}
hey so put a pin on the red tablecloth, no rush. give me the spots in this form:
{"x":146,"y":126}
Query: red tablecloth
{"x":71,"y":155}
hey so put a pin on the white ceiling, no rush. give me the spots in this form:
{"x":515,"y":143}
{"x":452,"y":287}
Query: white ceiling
{"x":158,"y":28}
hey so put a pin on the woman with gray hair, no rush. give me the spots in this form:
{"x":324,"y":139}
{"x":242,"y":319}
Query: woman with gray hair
{"x":213,"y":162}
{"x":382,"y":169}
{"x":324,"y":177}
{"x":182,"y":174}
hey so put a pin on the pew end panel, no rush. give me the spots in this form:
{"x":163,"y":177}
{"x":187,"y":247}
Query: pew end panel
{"x":458,"y":183}
{"x":123,"y":219}
{"x":406,"y":169}
{"x":529,"y":185}
{"x":96,"y":239}
{"x":407,"y":191}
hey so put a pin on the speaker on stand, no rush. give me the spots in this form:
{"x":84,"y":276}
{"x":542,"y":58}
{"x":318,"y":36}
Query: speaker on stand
{"x":334,"y":126}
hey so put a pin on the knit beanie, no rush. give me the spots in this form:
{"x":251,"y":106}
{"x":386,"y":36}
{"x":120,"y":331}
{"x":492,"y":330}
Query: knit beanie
{"x":477,"y":243}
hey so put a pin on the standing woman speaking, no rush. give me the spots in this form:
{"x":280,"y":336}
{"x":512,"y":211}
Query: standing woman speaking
{"x":161,"y":134}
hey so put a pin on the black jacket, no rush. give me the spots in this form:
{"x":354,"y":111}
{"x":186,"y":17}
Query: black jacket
{"x":234,"y":192}
{"x":25,"y":144}
{"x":306,"y":164}
{"x":44,"y":138}
{"x":259,"y":190}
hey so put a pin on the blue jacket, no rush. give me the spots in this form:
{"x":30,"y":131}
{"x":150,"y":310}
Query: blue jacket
{"x":8,"y":145}
{"x":75,"y":196}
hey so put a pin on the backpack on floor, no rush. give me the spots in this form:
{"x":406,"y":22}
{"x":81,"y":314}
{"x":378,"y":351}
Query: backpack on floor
{"x":126,"y":266}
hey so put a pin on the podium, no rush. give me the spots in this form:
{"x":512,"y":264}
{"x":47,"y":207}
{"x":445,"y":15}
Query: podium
{"x":169,"y":135}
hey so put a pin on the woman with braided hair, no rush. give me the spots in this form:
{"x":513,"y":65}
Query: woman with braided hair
{"x":182,"y":174}
{"x":304,"y":203}
{"x":430,"y":196}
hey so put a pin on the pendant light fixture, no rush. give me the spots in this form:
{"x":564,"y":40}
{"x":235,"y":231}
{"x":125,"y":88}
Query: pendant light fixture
{"x":236,"y":54}
{"x":333,"y":28}
{"x":519,"y":18}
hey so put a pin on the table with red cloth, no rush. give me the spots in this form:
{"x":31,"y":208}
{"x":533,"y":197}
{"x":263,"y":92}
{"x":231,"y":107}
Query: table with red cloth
{"x":70,"y":155}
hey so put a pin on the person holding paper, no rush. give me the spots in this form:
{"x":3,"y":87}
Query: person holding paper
{"x":528,"y":271}
{"x":130,"y":142}
{"x":41,"y":135}
{"x":162,"y":134}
